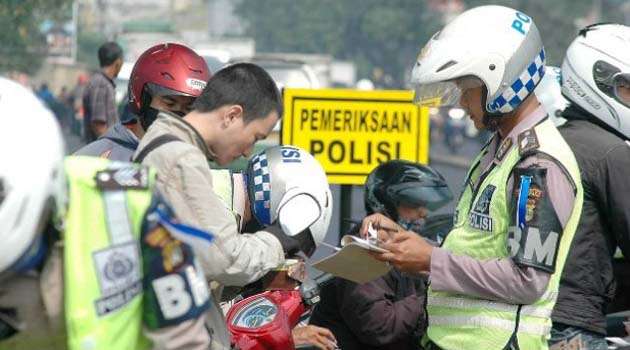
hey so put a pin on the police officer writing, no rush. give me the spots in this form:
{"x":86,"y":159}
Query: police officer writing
{"x":388,"y":312}
{"x":494,"y":281}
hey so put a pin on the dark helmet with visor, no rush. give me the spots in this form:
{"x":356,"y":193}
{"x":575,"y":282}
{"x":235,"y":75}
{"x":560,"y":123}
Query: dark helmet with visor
{"x":400,"y":182}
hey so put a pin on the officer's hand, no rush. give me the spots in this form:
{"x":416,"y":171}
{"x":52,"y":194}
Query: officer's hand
{"x":384,"y":226}
{"x":408,"y":252}
{"x":319,"y":337}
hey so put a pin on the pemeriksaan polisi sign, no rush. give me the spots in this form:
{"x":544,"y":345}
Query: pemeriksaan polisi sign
{"x":351,"y":132}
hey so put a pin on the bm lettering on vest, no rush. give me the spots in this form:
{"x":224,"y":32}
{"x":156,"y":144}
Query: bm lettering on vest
{"x":534,"y":235}
{"x":479,"y":218}
{"x":526,"y":229}
{"x":532,"y":247}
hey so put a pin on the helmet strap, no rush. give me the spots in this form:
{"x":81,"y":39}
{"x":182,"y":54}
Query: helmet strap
{"x":147,"y":113}
{"x":491,"y":121}
{"x":148,"y":116}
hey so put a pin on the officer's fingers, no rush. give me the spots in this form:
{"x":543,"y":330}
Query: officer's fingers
{"x":388,"y":245}
{"x":365,"y":224}
{"x":376,"y":221}
{"x":402,"y":236}
{"x":384,"y":235}
{"x":387,"y":257}
{"x":386,"y":223}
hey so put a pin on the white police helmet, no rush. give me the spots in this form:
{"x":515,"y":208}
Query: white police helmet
{"x":492,"y":46}
{"x":549,"y":95}
{"x":596,"y":74}
{"x":32,"y":181}
{"x":287,"y":185}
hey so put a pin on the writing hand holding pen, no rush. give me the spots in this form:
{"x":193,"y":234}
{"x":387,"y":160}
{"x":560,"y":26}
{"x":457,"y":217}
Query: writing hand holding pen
{"x":407,"y":251}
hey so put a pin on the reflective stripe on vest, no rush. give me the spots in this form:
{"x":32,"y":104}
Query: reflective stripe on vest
{"x":116,"y":216}
{"x":488,"y":322}
{"x":468,"y":303}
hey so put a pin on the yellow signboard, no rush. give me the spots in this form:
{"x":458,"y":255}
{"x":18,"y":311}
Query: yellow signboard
{"x":350,"y":132}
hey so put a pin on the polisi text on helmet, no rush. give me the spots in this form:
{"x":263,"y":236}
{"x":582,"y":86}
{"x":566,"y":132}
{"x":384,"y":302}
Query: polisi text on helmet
{"x":519,"y":23}
{"x":573,"y":85}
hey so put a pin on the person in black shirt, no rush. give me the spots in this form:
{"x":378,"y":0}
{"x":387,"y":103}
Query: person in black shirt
{"x":387,"y":313}
{"x":596,"y":81}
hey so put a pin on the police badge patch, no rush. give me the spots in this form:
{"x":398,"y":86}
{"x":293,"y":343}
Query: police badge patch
{"x":127,"y":177}
{"x":527,"y":142}
{"x":479,"y":218}
{"x":173,"y":255}
{"x":503,"y":149}
{"x":119,"y":276}
{"x":533,"y":197}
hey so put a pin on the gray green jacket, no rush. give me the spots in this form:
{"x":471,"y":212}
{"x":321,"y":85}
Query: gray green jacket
{"x":118,"y":143}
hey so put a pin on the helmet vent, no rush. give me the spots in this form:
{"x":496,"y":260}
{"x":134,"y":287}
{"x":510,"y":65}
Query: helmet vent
{"x":167,"y":76}
{"x":446,"y":65}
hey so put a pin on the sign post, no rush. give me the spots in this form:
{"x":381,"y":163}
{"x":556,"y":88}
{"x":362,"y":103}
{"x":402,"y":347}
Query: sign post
{"x":350,"y":132}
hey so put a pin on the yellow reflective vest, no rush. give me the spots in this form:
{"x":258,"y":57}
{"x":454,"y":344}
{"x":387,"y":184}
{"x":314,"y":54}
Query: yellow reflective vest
{"x":466,"y":322}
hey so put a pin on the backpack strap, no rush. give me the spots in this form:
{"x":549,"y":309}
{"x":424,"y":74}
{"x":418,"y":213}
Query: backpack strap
{"x":155,"y":143}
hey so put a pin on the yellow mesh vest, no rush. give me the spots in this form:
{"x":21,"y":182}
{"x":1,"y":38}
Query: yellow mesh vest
{"x":466,"y":322}
{"x":102,"y":258}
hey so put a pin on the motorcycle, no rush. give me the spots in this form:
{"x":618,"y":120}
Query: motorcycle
{"x":264,"y":321}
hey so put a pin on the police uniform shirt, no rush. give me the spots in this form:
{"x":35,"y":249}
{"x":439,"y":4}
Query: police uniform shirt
{"x":502,"y":279}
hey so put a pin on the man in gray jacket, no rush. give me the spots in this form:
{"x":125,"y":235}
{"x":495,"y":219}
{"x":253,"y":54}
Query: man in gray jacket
{"x":239,"y":106}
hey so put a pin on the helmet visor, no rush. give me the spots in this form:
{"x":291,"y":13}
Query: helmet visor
{"x":612,"y":82}
{"x":444,"y":93}
{"x":430,"y":197}
{"x":159,"y":90}
{"x":621,"y":88}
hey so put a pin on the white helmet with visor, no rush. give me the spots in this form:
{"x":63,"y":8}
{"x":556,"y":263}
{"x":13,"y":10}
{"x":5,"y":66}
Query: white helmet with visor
{"x":596,"y":74}
{"x":32,"y":181}
{"x":495,"y":47}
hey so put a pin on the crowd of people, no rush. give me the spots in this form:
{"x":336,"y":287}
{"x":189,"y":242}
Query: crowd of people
{"x":133,"y":241}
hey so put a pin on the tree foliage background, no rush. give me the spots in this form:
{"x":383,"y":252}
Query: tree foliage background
{"x":387,"y":35}
{"x":22,"y":45}
{"x":380,"y":36}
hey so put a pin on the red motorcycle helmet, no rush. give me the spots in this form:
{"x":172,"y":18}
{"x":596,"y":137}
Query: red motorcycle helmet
{"x":166,"y":69}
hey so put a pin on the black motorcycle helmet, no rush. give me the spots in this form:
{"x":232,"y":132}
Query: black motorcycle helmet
{"x":400,"y":182}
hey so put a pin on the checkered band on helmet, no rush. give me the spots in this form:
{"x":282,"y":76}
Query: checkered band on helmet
{"x":513,"y":96}
{"x":262,"y":189}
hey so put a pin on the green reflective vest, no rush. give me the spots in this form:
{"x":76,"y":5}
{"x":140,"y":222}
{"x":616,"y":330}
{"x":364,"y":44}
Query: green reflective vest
{"x":223,"y":187}
{"x":466,"y":322}
{"x":102,"y":258}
